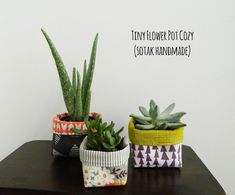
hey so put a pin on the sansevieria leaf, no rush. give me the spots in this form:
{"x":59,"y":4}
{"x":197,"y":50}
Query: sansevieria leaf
{"x":90,"y":71}
{"x":76,"y":92}
{"x":63,"y":75}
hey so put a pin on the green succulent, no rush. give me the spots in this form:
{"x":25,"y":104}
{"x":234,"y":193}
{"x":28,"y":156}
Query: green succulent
{"x":101,"y":136}
{"x":153,"y":119}
{"x":76,"y":93}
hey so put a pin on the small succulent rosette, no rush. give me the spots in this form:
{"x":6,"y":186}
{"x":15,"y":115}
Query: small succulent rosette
{"x":156,"y":148}
{"x":66,"y":142}
{"x":102,"y":169}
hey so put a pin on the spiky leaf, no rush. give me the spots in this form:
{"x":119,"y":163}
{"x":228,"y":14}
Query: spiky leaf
{"x":74,"y":81}
{"x":83,"y":83}
{"x":78,"y":101}
{"x":63,"y":75}
{"x":86,"y":110}
{"x":89,"y":74}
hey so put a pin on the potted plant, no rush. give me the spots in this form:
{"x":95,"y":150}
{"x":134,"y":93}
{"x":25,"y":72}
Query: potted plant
{"x":77,"y":97}
{"x":104,"y":155}
{"x":156,"y":138}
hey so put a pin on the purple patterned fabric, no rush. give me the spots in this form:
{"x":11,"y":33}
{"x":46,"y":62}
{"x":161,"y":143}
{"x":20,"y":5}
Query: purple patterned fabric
{"x":157,"y":156}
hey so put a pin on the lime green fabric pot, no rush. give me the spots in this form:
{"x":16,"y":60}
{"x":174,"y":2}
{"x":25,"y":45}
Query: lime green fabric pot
{"x":156,"y":148}
{"x":155,"y":137}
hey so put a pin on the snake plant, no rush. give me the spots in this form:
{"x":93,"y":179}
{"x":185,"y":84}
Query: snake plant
{"x":76,"y":93}
{"x":152,"y":119}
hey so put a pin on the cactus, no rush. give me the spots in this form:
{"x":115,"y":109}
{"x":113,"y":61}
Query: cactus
{"x":101,"y":136}
{"x":77,"y":94}
{"x":154,"y":120}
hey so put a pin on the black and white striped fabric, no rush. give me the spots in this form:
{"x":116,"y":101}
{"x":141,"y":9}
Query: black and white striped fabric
{"x":66,"y":145}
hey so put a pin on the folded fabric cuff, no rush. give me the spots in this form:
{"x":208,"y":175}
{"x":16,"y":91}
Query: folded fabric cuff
{"x":155,"y":137}
{"x":104,"y":159}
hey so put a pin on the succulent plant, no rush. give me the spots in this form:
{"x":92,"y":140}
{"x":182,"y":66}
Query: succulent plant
{"x":76,"y":93}
{"x":101,"y":136}
{"x":153,"y":119}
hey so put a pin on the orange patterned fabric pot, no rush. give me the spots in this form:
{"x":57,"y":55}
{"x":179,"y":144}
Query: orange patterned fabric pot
{"x":66,"y":143}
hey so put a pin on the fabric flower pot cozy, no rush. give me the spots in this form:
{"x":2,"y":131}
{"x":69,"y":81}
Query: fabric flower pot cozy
{"x":156,"y":148}
{"x":66,"y":142}
{"x":104,"y":168}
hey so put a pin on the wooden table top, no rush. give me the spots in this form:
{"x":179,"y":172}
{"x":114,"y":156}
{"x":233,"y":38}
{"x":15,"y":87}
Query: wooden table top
{"x":32,"y":170}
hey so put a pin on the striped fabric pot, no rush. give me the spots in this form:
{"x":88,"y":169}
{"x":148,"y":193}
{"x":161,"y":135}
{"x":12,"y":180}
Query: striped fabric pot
{"x":102,"y":169}
{"x":66,"y":143}
{"x":156,"y":148}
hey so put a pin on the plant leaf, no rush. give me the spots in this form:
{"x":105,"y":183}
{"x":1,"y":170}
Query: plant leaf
{"x":74,"y":81}
{"x":142,"y":122}
{"x":175,"y":125}
{"x":63,"y":75}
{"x":108,"y":147}
{"x":78,"y":131}
{"x":144,"y":127}
{"x":173,"y":117}
{"x":168,"y":110}
{"x":144,"y":111}
{"x":119,"y":131}
{"x":162,"y":126}
{"x":154,"y":112}
{"x":78,"y":111}
{"x":86,"y":110}
{"x":110,"y":138}
{"x":144,"y":118}
{"x":83,"y":83}
{"x":89,"y":75}
{"x":152,"y":104}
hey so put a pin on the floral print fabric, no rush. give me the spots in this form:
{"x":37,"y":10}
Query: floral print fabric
{"x":104,"y":176}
